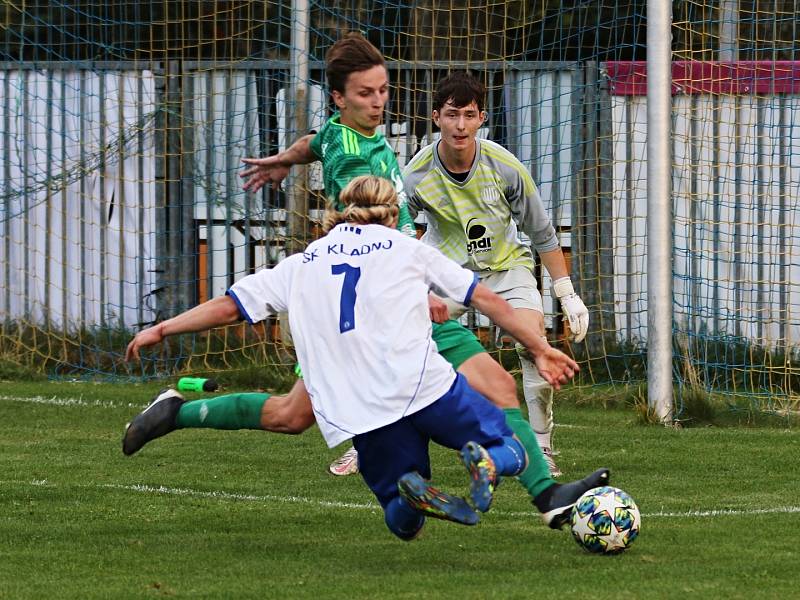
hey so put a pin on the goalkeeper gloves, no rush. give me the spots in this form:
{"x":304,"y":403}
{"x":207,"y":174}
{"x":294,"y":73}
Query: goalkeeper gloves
{"x":575,"y":311}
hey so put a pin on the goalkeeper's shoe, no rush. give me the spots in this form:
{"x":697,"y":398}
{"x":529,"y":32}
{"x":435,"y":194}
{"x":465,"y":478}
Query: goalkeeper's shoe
{"x":482,"y":473}
{"x":154,"y":421}
{"x":431,"y":502}
{"x":346,"y":464}
{"x":556,"y":502}
{"x":547,"y":453}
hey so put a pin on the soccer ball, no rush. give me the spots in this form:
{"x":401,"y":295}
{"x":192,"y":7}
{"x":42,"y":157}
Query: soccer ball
{"x":605,"y":520}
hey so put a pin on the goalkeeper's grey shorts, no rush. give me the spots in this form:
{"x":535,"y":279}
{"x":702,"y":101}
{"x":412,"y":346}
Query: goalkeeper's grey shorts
{"x":517,"y":286}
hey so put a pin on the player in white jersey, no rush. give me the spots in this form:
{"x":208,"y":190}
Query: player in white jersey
{"x":348,"y":145}
{"x":376,"y":376}
{"x":475,"y":194}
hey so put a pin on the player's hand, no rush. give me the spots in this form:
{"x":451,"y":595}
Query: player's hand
{"x":575,"y":311}
{"x":143,"y":339}
{"x":263,"y":171}
{"x":438,"y":309}
{"x":555,"y":366}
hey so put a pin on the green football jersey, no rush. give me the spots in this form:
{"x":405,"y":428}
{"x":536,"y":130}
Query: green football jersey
{"x":345,"y":153}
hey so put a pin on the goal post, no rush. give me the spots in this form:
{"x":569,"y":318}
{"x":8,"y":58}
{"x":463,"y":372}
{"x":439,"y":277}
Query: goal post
{"x":659,"y":209}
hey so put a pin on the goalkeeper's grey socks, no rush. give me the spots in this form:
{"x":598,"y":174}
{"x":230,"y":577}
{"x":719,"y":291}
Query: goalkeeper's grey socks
{"x":539,"y":398}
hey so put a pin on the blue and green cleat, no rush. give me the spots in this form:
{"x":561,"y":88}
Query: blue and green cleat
{"x":483,"y":475}
{"x":431,"y":502}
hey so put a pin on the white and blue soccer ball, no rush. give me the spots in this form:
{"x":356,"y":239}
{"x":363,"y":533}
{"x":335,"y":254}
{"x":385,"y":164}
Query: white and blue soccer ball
{"x":605,"y":520}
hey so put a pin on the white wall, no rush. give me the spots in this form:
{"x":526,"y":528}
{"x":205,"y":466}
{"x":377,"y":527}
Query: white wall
{"x":61,"y":257}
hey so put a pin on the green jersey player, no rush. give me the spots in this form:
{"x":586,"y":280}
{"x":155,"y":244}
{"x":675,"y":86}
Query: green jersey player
{"x":347,"y":153}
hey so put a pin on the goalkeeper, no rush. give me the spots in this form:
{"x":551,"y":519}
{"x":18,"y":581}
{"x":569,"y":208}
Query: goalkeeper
{"x":476,"y":195}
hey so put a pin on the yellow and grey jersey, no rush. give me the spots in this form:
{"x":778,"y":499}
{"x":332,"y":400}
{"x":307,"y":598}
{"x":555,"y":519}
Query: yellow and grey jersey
{"x":475,"y":222}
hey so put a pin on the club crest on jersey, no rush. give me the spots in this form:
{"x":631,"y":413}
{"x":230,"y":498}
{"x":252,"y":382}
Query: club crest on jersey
{"x":490,"y":195}
{"x":477,"y":240}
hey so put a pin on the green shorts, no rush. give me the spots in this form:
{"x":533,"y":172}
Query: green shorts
{"x":455,"y":342}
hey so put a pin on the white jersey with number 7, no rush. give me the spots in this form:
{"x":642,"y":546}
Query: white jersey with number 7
{"x":358,"y":310}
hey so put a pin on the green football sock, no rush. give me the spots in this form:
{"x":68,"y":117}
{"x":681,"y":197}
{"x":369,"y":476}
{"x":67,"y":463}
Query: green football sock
{"x":536,"y":478}
{"x":232,"y":411}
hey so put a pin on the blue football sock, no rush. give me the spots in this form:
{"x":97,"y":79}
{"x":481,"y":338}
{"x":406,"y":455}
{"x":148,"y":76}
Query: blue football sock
{"x":508,"y":457}
{"x":402,"y":520}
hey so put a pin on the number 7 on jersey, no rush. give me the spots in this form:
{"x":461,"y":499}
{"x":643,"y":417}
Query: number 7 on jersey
{"x":347,"y":301}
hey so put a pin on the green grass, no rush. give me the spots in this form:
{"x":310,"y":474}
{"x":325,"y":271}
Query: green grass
{"x":255,"y":515}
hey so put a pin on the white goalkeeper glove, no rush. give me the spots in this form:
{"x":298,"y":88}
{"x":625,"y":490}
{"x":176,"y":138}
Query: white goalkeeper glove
{"x":575,"y":311}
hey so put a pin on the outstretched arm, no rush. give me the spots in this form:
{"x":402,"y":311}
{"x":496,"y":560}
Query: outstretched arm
{"x":214,"y":313}
{"x":274,"y":169}
{"x":555,"y":366}
{"x":527,"y":205}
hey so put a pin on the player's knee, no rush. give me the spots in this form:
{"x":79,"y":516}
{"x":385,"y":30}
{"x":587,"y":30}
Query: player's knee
{"x":287,"y":414}
{"x":504,"y":393}
{"x":299,"y":420}
{"x":523,"y":352}
{"x":489,"y":378}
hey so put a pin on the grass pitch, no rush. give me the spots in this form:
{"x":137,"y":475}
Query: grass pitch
{"x":208,"y":514}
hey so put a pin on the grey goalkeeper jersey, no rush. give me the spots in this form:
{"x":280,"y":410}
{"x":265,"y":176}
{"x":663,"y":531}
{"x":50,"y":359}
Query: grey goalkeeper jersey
{"x":475,"y":222}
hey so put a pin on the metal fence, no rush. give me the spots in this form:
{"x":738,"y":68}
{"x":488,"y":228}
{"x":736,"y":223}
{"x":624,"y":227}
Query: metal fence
{"x":122,"y":202}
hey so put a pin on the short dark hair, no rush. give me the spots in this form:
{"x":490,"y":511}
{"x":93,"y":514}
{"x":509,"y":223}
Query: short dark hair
{"x":460,"y":89}
{"x":351,"y":54}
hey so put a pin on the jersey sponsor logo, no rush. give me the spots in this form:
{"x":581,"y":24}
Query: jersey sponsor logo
{"x":477,"y":240}
{"x":341,"y":250}
{"x":324,"y":148}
